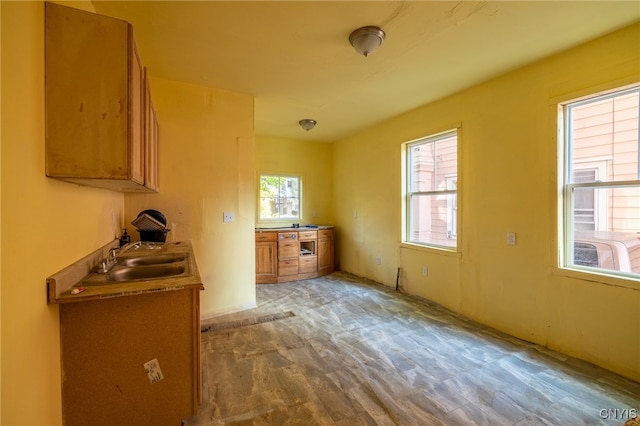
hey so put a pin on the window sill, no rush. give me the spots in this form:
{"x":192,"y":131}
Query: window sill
{"x":450,"y":252}
{"x":598,"y":278}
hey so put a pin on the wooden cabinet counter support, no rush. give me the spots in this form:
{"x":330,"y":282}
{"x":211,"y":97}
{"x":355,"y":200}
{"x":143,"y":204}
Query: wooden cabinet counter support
{"x":105,"y":345}
{"x":100,"y":127}
{"x":293,"y":254}
{"x":130,"y":350}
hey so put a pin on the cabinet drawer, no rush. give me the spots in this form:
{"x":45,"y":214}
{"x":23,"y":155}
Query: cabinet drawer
{"x":287,"y":236}
{"x":308,"y":235}
{"x":265,"y":236}
{"x":288,"y":249}
{"x":325,"y":233}
{"x":288,"y":267}
{"x":308,"y":264}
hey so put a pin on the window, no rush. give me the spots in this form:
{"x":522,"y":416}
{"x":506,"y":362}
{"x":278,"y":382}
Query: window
{"x":601,"y":188}
{"x":279,"y":197}
{"x":431,"y":190}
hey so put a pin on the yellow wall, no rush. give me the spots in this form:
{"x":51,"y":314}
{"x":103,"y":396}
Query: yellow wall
{"x":312,"y":161}
{"x":507,"y":183}
{"x":207,"y":168}
{"x":0,"y":214}
{"x":46,"y":225}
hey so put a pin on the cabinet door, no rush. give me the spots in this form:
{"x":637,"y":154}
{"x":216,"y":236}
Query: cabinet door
{"x":136,"y":116}
{"x":159,"y":325}
{"x":287,"y":267}
{"x":94,"y":100}
{"x":150,"y":140}
{"x":266,"y":262}
{"x":288,"y":249}
{"x":308,"y":264}
{"x":87,"y":116}
{"x":325,"y":252}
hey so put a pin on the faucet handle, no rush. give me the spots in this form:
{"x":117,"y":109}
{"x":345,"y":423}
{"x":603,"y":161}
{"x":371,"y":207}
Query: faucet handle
{"x":102,"y":267}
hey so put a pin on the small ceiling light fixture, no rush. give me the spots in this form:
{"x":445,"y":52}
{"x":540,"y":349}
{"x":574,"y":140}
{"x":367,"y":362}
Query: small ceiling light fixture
{"x":367,"y":39}
{"x":307,"y":124}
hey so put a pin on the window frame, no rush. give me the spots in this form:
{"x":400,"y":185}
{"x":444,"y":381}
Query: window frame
{"x":280,"y":219}
{"x":567,"y":165}
{"x":452,"y":199}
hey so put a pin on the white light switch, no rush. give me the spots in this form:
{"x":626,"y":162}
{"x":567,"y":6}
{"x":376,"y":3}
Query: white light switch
{"x":227,"y":217}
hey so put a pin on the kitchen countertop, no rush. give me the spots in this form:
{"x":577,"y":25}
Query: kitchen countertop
{"x":81,"y":274}
{"x":290,"y":228}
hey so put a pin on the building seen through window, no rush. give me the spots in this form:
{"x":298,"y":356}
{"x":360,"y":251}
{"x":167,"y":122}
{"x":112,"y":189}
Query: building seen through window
{"x":602,"y":183}
{"x":279,"y":197}
{"x":431,"y":191}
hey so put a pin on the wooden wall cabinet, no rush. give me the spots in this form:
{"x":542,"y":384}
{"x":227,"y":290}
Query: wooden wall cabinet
{"x":100,"y":128}
{"x":151,"y":140}
{"x":290,"y":255}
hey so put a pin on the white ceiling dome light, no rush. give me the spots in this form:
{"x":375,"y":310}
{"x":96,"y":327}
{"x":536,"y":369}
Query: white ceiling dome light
{"x":307,"y":124}
{"x":366,"y":40}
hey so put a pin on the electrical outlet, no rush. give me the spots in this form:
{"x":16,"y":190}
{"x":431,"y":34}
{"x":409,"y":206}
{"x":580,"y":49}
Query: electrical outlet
{"x":378,"y":260}
{"x":425,"y":271}
{"x":227,"y":217}
{"x":511,"y":238}
{"x":355,"y":214}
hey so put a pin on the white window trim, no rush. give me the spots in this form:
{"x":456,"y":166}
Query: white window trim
{"x":452,"y":206}
{"x":407,"y":194}
{"x":565,"y":220}
{"x":280,"y":220}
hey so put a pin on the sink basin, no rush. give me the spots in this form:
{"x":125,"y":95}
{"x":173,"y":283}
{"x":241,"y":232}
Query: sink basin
{"x":154,"y":260}
{"x":145,"y":272}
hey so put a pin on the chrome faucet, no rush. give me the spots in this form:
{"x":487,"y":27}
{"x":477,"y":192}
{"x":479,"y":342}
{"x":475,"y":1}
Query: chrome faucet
{"x":105,"y":265}
{"x":128,"y":246}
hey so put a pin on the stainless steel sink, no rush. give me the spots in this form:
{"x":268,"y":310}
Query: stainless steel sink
{"x":153,"y":260}
{"x":147,"y":271}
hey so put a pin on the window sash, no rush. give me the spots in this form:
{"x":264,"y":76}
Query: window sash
{"x":436,"y":230}
{"x":588,"y":219}
{"x":283,"y":204}
{"x":569,"y":113}
{"x":577,"y":237}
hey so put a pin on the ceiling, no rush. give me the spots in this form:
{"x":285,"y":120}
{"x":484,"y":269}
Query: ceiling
{"x":294,"y":57}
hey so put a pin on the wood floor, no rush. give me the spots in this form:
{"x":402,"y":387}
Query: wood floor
{"x":339,"y":350}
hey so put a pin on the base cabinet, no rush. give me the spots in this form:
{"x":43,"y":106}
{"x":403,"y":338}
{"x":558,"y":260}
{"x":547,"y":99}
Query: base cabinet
{"x":290,"y":255}
{"x":106,"y":349}
{"x":266,"y":258}
{"x":325,"y":252}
